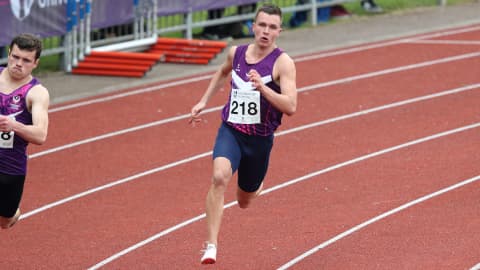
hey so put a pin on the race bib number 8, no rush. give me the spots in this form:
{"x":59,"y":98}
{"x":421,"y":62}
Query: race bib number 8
{"x":6,"y":139}
{"x":244,"y":107}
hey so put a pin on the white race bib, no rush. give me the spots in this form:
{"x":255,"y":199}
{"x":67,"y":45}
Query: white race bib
{"x":244,"y":107}
{"x":6,"y":139}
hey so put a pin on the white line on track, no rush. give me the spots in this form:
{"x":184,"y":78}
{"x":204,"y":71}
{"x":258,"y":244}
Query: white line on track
{"x":117,"y":133}
{"x":297,"y":59}
{"x":284,"y":132}
{"x":380,"y":108}
{"x":306,"y":88}
{"x":115,"y":183}
{"x":385,"y":44}
{"x":375,"y":219}
{"x":447,"y":42}
{"x":195,"y":79}
{"x":288,"y":183}
{"x":476,"y":267}
{"x":130,"y":93}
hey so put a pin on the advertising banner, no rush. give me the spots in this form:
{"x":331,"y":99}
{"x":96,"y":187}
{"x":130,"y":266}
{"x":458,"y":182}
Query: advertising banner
{"x":41,"y":17}
{"x":47,"y":18}
{"x":170,"y":7}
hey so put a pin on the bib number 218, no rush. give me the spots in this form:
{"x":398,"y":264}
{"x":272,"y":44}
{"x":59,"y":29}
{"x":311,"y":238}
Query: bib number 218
{"x":239,"y":108}
{"x":244,"y":107}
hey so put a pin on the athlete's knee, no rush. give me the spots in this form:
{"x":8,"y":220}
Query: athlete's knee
{"x":244,"y":199}
{"x":5,"y":223}
{"x":243,"y":203}
{"x":221,"y":177}
{"x":222,"y":172}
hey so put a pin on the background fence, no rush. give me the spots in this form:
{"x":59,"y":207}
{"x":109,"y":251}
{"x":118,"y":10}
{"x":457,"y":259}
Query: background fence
{"x":72,"y":28}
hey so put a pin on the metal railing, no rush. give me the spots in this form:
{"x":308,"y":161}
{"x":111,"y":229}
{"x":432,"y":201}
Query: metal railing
{"x":146,"y":27}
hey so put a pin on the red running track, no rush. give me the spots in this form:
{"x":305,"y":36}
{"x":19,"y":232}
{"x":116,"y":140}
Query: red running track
{"x":350,"y":154}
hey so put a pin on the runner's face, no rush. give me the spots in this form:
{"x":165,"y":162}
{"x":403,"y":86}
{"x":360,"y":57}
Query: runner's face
{"x":266,"y":29}
{"x":21,"y":62}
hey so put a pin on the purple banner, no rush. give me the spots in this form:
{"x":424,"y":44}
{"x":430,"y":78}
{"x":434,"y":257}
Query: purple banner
{"x":170,"y":7}
{"x":111,"y":12}
{"x":19,"y":16}
{"x":47,"y":18}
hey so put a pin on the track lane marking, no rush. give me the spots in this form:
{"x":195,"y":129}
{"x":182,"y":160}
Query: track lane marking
{"x":375,"y":219}
{"x":387,"y":43}
{"x":281,"y":133}
{"x":303,"y":89}
{"x":297,"y":59}
{"x":291,"y":182}
{"x":447,"y":42}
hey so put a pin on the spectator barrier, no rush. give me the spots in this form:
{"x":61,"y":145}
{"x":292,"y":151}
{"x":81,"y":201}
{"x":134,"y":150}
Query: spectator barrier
{"x":75,"y":28}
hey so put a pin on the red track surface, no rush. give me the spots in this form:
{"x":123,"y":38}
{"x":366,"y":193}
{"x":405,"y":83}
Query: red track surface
{"x":361,"y":182}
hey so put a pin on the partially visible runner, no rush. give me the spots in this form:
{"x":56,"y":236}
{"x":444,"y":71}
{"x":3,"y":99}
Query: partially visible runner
{"x":263,"y":88}
{"x":23,"y":120}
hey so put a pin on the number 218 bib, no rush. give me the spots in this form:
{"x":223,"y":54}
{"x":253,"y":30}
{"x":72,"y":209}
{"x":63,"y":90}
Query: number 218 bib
{"x":244,"y":107}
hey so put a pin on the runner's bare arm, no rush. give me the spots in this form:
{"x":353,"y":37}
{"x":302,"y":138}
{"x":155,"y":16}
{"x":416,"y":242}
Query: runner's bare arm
{"x":284,"y":73}
{"x":217,"y":82}
{"x":37,"y":102}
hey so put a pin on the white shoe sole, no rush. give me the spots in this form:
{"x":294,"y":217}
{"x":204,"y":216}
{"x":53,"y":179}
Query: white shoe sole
{"x":210,"y":255}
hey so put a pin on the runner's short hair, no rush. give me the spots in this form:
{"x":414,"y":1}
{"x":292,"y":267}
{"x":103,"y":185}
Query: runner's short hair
{"x":29,"y":43}
{"x":270,"y":9}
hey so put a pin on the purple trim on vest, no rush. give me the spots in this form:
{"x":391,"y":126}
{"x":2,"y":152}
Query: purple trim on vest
{"x":270,"y":116}
{"x":14,"y":161}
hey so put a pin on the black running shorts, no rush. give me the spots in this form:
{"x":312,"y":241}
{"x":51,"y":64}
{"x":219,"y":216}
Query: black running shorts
{"x":247,"y":154}
{"x":11,"y":189}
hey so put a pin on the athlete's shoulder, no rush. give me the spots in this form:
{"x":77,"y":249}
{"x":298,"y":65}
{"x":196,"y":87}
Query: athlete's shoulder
{"x":38,"y":93}
{"x":285,"y":58}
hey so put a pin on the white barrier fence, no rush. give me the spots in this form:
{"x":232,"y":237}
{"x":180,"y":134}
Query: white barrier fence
{"x":81,"y":39}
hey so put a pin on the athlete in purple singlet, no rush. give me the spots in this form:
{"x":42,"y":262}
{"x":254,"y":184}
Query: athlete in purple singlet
{"x":263,"y":88}
{"x":270,"y":117}
{"x":23,"y":120}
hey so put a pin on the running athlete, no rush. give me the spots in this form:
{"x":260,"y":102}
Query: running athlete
{"x":263,"y":88}
{"x":23,"y":119}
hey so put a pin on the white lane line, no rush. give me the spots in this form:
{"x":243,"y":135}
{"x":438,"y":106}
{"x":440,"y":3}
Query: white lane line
{"x":447,"y":42}
{"x":383,"y":107}
{"x":442,"y":33}
{"x":292,"y":130}
{"x":306,"y":88}
{"x":130,"y":93}
{"x":288,"y":183}
{"x":392,"y":70}
{"x":115,"y":183}
{"x":117,"y":133}
{"x":385,"y":44}
{"x":375,"y":219}
{"x":281,"y":133}
{"x":476,"y":267}
{"x":298,"y":59}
